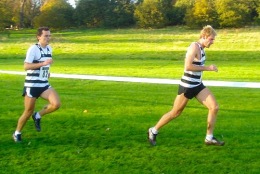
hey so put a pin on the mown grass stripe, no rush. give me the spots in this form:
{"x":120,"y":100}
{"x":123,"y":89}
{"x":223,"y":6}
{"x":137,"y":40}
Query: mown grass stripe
{"x":145,"y":80}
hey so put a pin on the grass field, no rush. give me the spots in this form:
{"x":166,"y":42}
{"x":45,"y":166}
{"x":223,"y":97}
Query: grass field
{"x":111,"y":136}
{"x":140,"y":53}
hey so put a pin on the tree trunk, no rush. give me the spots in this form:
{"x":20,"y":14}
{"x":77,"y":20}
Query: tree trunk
{"x":22,"y":3}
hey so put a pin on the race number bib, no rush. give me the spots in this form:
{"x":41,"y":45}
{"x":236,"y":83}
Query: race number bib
{"x":44,"y":73}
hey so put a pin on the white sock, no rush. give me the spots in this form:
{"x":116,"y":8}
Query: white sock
{"x":37,"y":116}
{"x":209,"y":137}
{"x":154,"y":131}
{"x":17,"y":132}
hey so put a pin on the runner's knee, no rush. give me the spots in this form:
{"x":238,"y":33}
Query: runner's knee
{"x":28,"y":112}
{"x":175,"y":113}
{"x":56,"y":105}
{"x":214,"y":108}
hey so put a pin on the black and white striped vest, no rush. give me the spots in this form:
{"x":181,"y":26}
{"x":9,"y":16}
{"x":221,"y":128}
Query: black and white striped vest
{"x":39,"y":77}
{"x":191,"y":79}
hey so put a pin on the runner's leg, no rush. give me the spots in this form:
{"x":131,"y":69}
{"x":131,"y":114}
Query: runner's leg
{"x":207,"y":99}
{"x":29,"y":104}
{"x":178,"y":106}
{"x":53,"y":99}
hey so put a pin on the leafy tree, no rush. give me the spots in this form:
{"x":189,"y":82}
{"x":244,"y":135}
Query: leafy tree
{"x":29,"y":9}
{"x":23,"y":11}
{"x":257,"y":18}
{"x":149,"y":14}
{"x":90,"y":13}
{"x":185,"y":4}
{"x":202,"y":13}
{"x":6,"y":14}
{"x":55,"y":14}
{"x":233,"y":13}
{"x":32,"y":10}
{"x":119,"y":14}
{"x":181,"y":7}
{"x":105,"y":13}
{"x":173,"y":15}
{"x":254,"y":6}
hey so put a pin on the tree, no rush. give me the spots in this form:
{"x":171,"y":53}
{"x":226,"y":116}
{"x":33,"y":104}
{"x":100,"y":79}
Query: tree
{"x":104,"y":13}
{"x":181,"y":7}
{"x":254,"y":6}
{"x":202,"y":13}
{"x":24,"y":12}
{"x":55,"y":14}
{"x":90,"y":13}
{"x":257,"y":18}
{"x":6,"y":13}
{"x":172,"y":14}
{"x":185,"y":4}
{"x":22,"y":4}
{"x":119,"y":14}
{"x":233,"y":13}
{"x":32,"y":10}
{"x":149,"y":14}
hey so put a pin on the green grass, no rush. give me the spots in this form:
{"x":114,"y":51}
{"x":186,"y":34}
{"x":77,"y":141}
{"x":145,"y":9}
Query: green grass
{"x":111,"y":136}
{"x":140,"y":53}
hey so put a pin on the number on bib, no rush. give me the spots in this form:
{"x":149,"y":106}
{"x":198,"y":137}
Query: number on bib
{"x":44,"y":73}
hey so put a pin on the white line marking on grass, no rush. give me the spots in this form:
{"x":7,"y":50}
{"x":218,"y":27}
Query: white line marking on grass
{"x":145,"y":80}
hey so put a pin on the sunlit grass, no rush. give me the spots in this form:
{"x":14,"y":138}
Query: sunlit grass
{"x":140,"y":53}
{"x":111,"y":136}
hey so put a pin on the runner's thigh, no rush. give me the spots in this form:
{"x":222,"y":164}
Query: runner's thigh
{"x":206,"y":98}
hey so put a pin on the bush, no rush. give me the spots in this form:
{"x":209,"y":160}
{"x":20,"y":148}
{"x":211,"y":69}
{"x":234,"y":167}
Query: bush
{"x":149,"y":14}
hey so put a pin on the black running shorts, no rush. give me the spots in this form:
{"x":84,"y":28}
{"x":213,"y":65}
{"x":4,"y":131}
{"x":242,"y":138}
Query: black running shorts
{"x":190,"y":92}
{"x":34,"y":91}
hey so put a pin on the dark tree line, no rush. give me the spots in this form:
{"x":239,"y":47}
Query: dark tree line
{"x":128,"y":13}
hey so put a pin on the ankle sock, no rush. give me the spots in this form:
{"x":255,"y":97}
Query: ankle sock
{"x":154,"y":131}
{"x":17,"y":132}
{"x":209,"y":137}
{"x":37,"y":116}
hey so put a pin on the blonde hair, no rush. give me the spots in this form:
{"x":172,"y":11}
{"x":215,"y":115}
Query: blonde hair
{"x":207,"y":31}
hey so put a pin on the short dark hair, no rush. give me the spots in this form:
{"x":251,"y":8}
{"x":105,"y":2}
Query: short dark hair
{"x":39,"y":31}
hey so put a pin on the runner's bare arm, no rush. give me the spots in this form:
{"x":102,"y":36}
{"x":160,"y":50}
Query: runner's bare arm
{"x":32,"y":66}
{"x":190,"y":56}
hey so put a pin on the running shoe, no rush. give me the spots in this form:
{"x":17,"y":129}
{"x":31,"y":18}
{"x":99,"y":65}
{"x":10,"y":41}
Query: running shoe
{"x":151,"y":137}
{"x":215,"y":142}
{"x":17,"y":138}
{"x":37,"y":122}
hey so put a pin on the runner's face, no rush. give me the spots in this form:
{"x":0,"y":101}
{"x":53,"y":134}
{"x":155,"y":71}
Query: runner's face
{"x":44,"y":39}
{"x":209,"y":41}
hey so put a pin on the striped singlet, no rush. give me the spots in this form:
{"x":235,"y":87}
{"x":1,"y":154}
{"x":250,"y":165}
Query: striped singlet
{"x":38,"y":77}
{"x":191,"y":79}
